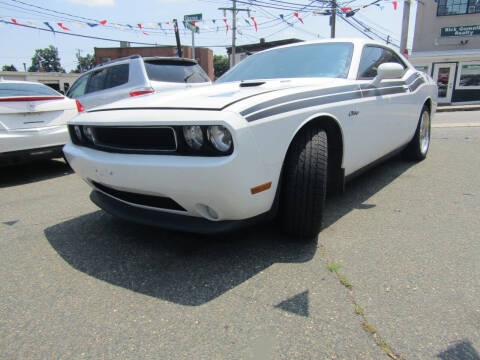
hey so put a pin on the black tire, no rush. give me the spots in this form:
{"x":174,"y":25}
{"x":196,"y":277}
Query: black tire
{"x":305,"y":183}
{"x":417,"y":149}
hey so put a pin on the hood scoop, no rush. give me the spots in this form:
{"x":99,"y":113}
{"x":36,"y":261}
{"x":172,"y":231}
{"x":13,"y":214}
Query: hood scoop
{"x":251,"y":83}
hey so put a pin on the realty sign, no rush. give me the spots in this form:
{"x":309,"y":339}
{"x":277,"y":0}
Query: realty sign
{"x":190,"y":21}
{"x":462,"y":30}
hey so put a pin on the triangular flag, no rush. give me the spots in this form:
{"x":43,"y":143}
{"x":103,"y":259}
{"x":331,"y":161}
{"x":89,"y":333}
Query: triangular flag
{"x":248,"y":22}
{"x":345,"y":9}
{"x":226,"y":24}
{"x":15,"y":22}
{"x":63,"y":27}
{"x":254,"y":23}
{"x":50,"y":27}
{"x":298,"y":17}
{"x":140,"y":27}
{"x":79,"y":25}
{"x":103,"y":22}
{"x":395,"y":4}
{"x":92,"y":24}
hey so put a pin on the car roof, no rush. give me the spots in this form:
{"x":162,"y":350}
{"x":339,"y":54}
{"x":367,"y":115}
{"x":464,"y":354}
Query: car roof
{"x":355,"y":41}
{"x":136,"y":56}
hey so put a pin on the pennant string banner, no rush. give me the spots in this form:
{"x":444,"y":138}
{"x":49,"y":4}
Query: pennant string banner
{"x":63,"y":27}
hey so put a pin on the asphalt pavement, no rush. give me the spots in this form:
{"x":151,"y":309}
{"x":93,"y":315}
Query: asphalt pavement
{"x":78,"y":284}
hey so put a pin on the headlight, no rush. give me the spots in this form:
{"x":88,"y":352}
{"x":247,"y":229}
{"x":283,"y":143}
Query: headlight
{"x":193,"y":136}
{"x":220,"y":137}
{"x":88,"y":131}
{"x":78,"y":132}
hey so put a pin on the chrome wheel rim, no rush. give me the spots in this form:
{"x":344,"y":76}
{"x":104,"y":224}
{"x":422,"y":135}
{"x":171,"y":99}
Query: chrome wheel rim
{"x":424,"y":132}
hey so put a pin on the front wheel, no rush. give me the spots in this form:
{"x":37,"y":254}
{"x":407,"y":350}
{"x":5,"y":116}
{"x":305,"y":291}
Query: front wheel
{"x":305,"y":183}
{"x":417,"y":149}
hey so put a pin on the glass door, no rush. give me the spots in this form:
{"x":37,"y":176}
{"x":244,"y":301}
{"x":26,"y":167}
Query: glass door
{"x":444,"y":75}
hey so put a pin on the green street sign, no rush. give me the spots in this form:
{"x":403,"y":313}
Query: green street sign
{"x":196,"y":17}
{"x":192,"y":27}
{"x":188,"y":22}
{"x":462,"y":30}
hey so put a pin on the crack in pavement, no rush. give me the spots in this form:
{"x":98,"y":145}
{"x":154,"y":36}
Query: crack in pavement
{"x":370,"y":330}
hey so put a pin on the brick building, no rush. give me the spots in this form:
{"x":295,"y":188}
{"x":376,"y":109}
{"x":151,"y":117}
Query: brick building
{"x":204,"y":56}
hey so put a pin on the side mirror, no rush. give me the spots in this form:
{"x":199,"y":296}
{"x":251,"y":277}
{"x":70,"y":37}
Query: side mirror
{"x":388,"y":71}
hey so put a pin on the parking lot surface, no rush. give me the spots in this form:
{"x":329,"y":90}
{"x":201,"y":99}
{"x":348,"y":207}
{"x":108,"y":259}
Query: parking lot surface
{"x":403,"y":241}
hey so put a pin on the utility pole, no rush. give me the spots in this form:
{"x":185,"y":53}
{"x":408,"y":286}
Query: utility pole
{"x":332,"y":19}
{"x":234,"y":11}
{"x":405,"y":23}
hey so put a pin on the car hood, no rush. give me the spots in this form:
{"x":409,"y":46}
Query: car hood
{"x":219,"y":96}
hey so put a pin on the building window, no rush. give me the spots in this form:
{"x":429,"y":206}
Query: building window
{"x":469,"y":78}
{"x":457,"y":7}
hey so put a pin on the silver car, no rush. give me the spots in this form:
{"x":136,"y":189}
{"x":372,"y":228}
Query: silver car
{"x":133,"y":76}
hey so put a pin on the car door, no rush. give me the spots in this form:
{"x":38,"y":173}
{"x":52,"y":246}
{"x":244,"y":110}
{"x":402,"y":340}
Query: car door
{"x":381,"y":108}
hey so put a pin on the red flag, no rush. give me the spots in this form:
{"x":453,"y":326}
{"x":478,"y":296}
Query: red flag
{"x":103,"y":22}
{"x":298,"y":17}
{"x":395,"y":4}
{"x":63,"y":27}
{"x":15,"y":22}
{"x":140,"y":27}
{"x":226,"y":24}
{"x":345,"y":9}
{"x":254,"y":23}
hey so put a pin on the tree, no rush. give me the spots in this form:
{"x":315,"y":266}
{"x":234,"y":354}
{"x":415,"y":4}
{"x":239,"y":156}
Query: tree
{"x":220,"y":65}
{"x":84,"y":63}
{"x":46,"y":60}
{"x":9,"y":68}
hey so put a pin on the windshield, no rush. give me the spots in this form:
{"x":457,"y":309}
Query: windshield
{"x":314,"y":60}
{"x":16,"y":89}
{"x":175,"y":71}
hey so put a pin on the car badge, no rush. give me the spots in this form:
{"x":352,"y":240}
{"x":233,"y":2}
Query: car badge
{"x":31,"y":107}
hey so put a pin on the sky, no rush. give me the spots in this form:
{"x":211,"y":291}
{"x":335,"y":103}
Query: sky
{"x":17,"y":43}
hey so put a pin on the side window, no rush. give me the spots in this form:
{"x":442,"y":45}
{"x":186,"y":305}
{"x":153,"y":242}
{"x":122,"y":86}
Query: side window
{"x":78,"y":87}
{"x":372,"y":58}
{"x":108,"y":77}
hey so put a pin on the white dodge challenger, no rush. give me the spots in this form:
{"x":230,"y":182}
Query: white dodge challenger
{"x":268,"y":138}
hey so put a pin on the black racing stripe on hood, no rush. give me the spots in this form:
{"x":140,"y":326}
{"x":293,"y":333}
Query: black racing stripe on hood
{"x":250,"y":96}
{"x":305,"y":104}
{"x":299,"y":96}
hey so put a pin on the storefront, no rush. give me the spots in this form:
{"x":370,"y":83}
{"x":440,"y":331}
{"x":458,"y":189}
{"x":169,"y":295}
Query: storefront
{"x":457,"y":73}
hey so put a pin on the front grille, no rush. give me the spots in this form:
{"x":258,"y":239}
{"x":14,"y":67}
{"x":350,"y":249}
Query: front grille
{"x":130,"y":139}
{"x":140,"y":199}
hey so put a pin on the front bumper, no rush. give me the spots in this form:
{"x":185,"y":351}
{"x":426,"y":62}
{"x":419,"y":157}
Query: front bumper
{"x":222,"y":184}
{"x":36,"y":138}
{"x":171,"y":221}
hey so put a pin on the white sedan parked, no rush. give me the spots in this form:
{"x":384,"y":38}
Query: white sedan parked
{"x":271,"y":136}
{"x":33,"y":121}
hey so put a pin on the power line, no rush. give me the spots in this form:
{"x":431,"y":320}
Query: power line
{"x":74,"y":34}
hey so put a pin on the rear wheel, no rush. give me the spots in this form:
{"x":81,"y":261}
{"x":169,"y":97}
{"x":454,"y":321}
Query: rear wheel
{"x":304,"y":183}
{"x":417,"y":149}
